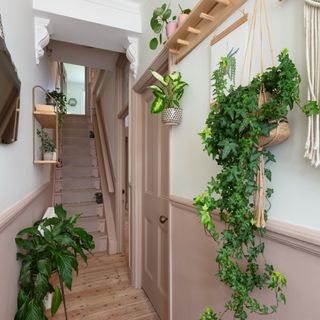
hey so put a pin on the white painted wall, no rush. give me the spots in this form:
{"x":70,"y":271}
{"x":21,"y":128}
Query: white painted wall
{"x":295,"y":182}
{"x":19,"y":177}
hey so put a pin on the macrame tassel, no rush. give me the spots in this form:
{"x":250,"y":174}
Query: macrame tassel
{"x":259,"y":199}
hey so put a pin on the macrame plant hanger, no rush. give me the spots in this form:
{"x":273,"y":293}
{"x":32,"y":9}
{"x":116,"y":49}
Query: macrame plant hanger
{"x":312,"y":27}
{"x":259,"y":5}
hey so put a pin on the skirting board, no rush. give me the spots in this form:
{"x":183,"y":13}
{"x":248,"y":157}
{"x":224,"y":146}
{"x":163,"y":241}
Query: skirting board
{"x":15,"y":211}
{"x":297,"y":237}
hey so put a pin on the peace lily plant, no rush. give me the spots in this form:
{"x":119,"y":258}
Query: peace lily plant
{"x":231,"y":138}
{"x":49,"y":247}
{"x":167,"y":96}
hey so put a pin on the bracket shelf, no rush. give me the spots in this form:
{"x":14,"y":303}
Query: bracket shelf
{"x":206,"y":17}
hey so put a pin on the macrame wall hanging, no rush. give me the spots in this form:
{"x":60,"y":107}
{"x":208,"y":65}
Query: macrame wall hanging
{"x":312,"y":26}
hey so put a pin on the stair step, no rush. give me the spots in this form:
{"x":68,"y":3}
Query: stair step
{"x":83,"y":142}
{"x":77,"y":183}
{"x":92,"y":223}
{"x":77,"y":132}
{"x":76,"y":196}
{"x":75,"y":150}
{"x":90,"y":208}
{"x":84,"y":160}
{"x":77,"y":172}
{"x":101,"y":241}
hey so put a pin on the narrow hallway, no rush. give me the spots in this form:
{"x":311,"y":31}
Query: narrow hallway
{"x":102,"y":292}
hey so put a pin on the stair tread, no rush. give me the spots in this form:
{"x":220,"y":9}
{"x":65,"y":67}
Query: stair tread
{"x":99,"y":234}
{"x":68,"y":178}
{"x":90,"y":218}
{"x":79,"y":190}
{"x":87,"y":203}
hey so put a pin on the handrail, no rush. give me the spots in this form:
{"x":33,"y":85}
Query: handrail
{"x":45,"y":91}
{"x":105,"y":153}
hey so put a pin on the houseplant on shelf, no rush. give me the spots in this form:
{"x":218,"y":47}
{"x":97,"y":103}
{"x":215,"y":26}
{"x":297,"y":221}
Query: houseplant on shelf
{"x":49,"y":248}
{"x":183,"y":15}
{"x":167,"y":96}
{"x":48,"y":147}
{"x":160,"y":20}
{"x":60,"y":103}
{"x":231,"y":137}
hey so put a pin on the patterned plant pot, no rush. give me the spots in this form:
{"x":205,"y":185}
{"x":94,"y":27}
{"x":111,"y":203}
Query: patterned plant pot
{"x":171,"y":116}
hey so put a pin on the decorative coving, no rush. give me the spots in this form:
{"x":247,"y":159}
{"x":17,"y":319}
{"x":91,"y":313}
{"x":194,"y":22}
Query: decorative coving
{"x":132,"y":53}
{"x":42,"y":36}
{"x":121,"y":5}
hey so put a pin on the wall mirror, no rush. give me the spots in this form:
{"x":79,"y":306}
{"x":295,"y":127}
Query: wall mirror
{"x":9,"y":94}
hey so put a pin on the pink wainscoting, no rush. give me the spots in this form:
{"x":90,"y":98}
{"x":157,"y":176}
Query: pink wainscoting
{"x":12,"y":221}
{"x":293,"y":250}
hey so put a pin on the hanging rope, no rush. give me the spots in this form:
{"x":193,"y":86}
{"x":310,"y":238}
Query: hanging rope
{"x":261,"y":7}
{"x":312,"y":27}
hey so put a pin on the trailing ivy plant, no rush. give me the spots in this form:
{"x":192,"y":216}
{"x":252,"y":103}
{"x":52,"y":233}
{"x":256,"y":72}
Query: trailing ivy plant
{"x":231,"y":138}
{"x":50,"y":246}
{"x":61,"y":104}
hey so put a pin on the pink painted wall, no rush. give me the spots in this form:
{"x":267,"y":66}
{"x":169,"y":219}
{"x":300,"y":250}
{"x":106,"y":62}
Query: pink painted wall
{"x":193,"y":267}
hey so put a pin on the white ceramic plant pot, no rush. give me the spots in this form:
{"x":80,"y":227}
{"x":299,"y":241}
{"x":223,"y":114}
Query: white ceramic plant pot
{"x":48,"y":156}
{"x":171,"y":116}
{"x":54,"y":156}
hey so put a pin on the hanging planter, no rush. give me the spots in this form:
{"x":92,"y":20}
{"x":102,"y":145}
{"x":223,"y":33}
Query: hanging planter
{"x":245,"y":120}
{"x":171,"y":116}
{"x":167,"y":96}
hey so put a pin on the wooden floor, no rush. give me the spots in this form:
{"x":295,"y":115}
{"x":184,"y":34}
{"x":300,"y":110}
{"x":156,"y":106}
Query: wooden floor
{"x":102,"y":292}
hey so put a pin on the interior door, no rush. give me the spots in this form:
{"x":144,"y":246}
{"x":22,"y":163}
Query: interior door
{"x":155,"y":280}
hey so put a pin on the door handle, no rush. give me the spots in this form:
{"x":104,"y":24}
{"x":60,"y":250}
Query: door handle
{"x":163,"y":219}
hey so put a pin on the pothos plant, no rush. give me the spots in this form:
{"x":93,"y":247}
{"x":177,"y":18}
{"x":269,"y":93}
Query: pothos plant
{"x":50,"y":246}
{"x":169,"y":91}
{"x":61,"y":104}
{"x":159,"y":20}
{"x":231,"y":137}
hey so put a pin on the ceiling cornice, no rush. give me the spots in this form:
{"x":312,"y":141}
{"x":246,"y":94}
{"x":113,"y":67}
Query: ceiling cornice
{"x":121,"y":5}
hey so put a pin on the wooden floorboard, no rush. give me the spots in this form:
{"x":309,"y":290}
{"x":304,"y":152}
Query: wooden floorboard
{"x":102,"y":291}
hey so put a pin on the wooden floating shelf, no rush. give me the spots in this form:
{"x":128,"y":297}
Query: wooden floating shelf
{"x":45,"y":162}
{"x":206,"y":17}
{"x":46,"y":119}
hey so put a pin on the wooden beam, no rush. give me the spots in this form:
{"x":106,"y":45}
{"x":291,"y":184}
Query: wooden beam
{"x":174,"y":51}
{"x":225,"y":2}
{"x":230,"y":29}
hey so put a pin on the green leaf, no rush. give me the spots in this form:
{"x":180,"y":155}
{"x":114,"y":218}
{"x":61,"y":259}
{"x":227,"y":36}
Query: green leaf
{"x":159,"y":11}
{"x":167,"y":14}
{"x":35,"y":310}
{"x":60,"y":212}
{"x":45,"y":267}
{"x":158,"y":105}
{"x":153,"y":44}
{"x":56,"y":300}
{"x":159,"y":77}
{"x":155,"y":25}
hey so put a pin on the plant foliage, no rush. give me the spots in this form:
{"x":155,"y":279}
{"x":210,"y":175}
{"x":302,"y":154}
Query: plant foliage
{"x":48,"y":144}
{"x":231,"y":138}
{"x":51,"y":245}
{"x":168,"y":93}
{"x":61,"y":104}
{"x":184,"y":11}
{"x":159,"y":20}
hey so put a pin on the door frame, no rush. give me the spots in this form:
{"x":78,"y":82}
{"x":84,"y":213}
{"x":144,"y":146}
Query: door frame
{"x":161,"y":64}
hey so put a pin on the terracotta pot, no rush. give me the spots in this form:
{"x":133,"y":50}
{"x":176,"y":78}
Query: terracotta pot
{"x":171,"y":116}
{"x":183,"y":17}
{"x":171,"y":28}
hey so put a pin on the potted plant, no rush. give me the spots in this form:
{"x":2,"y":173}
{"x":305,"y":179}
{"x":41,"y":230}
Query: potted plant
{"x":183,"y":15}
{"x":231,"y":137}
{"x":60,"y":103}
{"x":160,"y":19}
{"x":50,"y":247}
{"x":48,"y":147}
{"x":167,"y":96}
{"x":99,"y":197}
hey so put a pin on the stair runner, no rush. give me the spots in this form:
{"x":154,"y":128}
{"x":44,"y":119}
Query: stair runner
{"x":78,"y":179}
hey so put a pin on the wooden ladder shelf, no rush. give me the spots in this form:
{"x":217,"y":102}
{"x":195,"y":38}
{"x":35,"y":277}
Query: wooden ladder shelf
{"x":206,"y":17}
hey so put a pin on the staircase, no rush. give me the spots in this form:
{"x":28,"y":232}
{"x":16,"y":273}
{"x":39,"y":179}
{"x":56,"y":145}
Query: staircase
{"x":78,"y":180}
